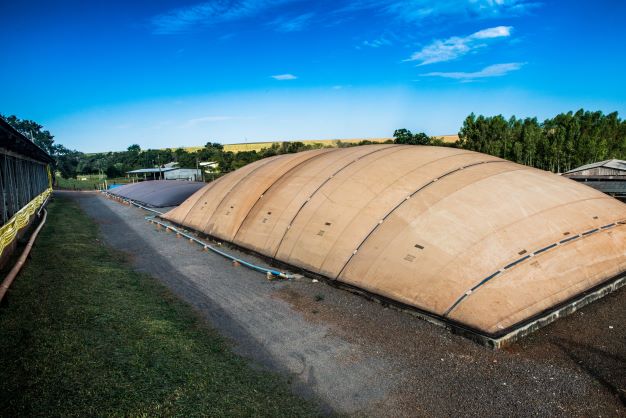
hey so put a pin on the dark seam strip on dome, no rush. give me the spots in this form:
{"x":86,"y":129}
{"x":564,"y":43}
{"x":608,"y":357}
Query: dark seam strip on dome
{"x":404,"y":200}
{"x":549,"y":247}
{"x":508,"y":266}
{"x":320,"y":154}
{"x":563,"y":241}
{"x":318,"y":189}
{"x":390,"y":185}
{"x":545,"y":248}
{"x":233,"y":188}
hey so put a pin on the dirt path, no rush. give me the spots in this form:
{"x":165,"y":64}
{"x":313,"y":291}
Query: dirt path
{"x":361,"y":358}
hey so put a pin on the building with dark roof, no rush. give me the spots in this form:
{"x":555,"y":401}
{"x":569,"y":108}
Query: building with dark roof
{"x":167,"y":173}
{"x":607,"y":176}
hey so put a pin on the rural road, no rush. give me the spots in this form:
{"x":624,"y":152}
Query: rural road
{"x":359,"y":357}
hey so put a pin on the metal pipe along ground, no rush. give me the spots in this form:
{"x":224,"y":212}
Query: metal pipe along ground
{"x":206,"y":246}
{"x":271,"y":272}
{"x":20,"y":262}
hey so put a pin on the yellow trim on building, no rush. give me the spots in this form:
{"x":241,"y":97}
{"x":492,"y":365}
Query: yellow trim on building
{"x":9,"y":231}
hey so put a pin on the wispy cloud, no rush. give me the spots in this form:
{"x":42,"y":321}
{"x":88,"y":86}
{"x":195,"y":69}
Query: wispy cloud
{"x":208,"y":13}
{"x":283,"y":77}
{"x":292,"y":23}
{"x":188,"y":18}
{"x":496,"y":70}
{"x":457,"y":46}
{"x":418,"y":10}
{"x":377,"y":43}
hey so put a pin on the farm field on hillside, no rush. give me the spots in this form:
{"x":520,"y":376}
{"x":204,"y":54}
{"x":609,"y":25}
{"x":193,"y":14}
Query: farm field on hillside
{"x":258,"y":146}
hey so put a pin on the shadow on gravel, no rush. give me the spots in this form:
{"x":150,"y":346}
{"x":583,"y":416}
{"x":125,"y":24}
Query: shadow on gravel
{"x":607,"y":369}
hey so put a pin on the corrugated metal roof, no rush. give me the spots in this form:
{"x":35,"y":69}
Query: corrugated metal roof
{"x":614,"y":164}
{"x":151,"y":170}
{"x":13,"y":140}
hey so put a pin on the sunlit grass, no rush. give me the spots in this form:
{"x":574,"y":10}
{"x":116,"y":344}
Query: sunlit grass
{"x":83,"y":334}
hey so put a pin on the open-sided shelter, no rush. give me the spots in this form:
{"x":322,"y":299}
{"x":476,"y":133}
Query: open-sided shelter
{"x":25,"y":184}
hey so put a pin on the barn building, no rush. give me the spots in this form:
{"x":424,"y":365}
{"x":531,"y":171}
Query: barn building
{"x":607,"y":176}
{"x":167,"y":173}
{"x":25,"y":183}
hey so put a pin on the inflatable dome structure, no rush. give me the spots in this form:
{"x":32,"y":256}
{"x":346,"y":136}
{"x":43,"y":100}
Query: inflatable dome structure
{"x":158,"y":193}
{"x":468,"y":240}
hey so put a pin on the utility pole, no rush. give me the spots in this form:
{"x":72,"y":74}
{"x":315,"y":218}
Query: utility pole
{"x":159,"y":162}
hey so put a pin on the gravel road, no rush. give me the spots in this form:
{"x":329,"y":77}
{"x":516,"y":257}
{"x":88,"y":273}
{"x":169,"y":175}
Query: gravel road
{"x":358,"y":357}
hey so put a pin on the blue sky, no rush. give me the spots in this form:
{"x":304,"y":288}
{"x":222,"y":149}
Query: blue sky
{"x":104,"y":75}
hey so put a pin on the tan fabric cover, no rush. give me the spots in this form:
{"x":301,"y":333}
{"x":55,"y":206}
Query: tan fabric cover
{"x":429,"y":224}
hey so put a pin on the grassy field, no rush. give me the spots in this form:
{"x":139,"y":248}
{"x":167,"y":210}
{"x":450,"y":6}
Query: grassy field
{"x":75,"y":184}
{"x":82,"y":334}
{"x":89,"y":182}
{"x":258,"y":146}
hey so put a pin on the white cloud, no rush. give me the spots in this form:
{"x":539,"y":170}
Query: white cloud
{"x":496,"y":70}
{"x":377,"y":43}
{"x":282,"y":77}
{"x":419,"y":10}
{"x":457,"y":46}
{"x":207,"y":13}
{"x":292,"y":24}
{"x":497,"y":32}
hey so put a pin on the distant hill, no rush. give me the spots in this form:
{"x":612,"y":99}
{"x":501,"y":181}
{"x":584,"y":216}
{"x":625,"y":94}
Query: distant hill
{"x":448,"y":138}
{"x":258,"y":146}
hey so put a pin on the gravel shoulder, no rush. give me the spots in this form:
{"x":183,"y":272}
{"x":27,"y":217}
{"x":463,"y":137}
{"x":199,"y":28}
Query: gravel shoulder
{"x":359,"y":357}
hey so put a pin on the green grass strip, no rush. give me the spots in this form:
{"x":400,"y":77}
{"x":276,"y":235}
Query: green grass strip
{"x":83,"y":334}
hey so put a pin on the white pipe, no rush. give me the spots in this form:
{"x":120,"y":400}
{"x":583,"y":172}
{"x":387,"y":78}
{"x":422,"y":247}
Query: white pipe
{"x":132,"y":202}
{"x":224,"y":254}
{"x":204,"y":244}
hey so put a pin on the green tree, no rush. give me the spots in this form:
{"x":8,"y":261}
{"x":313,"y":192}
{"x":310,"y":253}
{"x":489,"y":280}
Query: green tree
{"x":404,"y":136}
{"x":67,"y":161}
{"x":558,"y":144}
{"x":34,"y":131}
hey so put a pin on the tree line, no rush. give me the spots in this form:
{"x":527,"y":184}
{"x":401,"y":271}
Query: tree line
{"x":559,"y":144}
{"x":71,"y":163}
{"x":117,"y":164}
